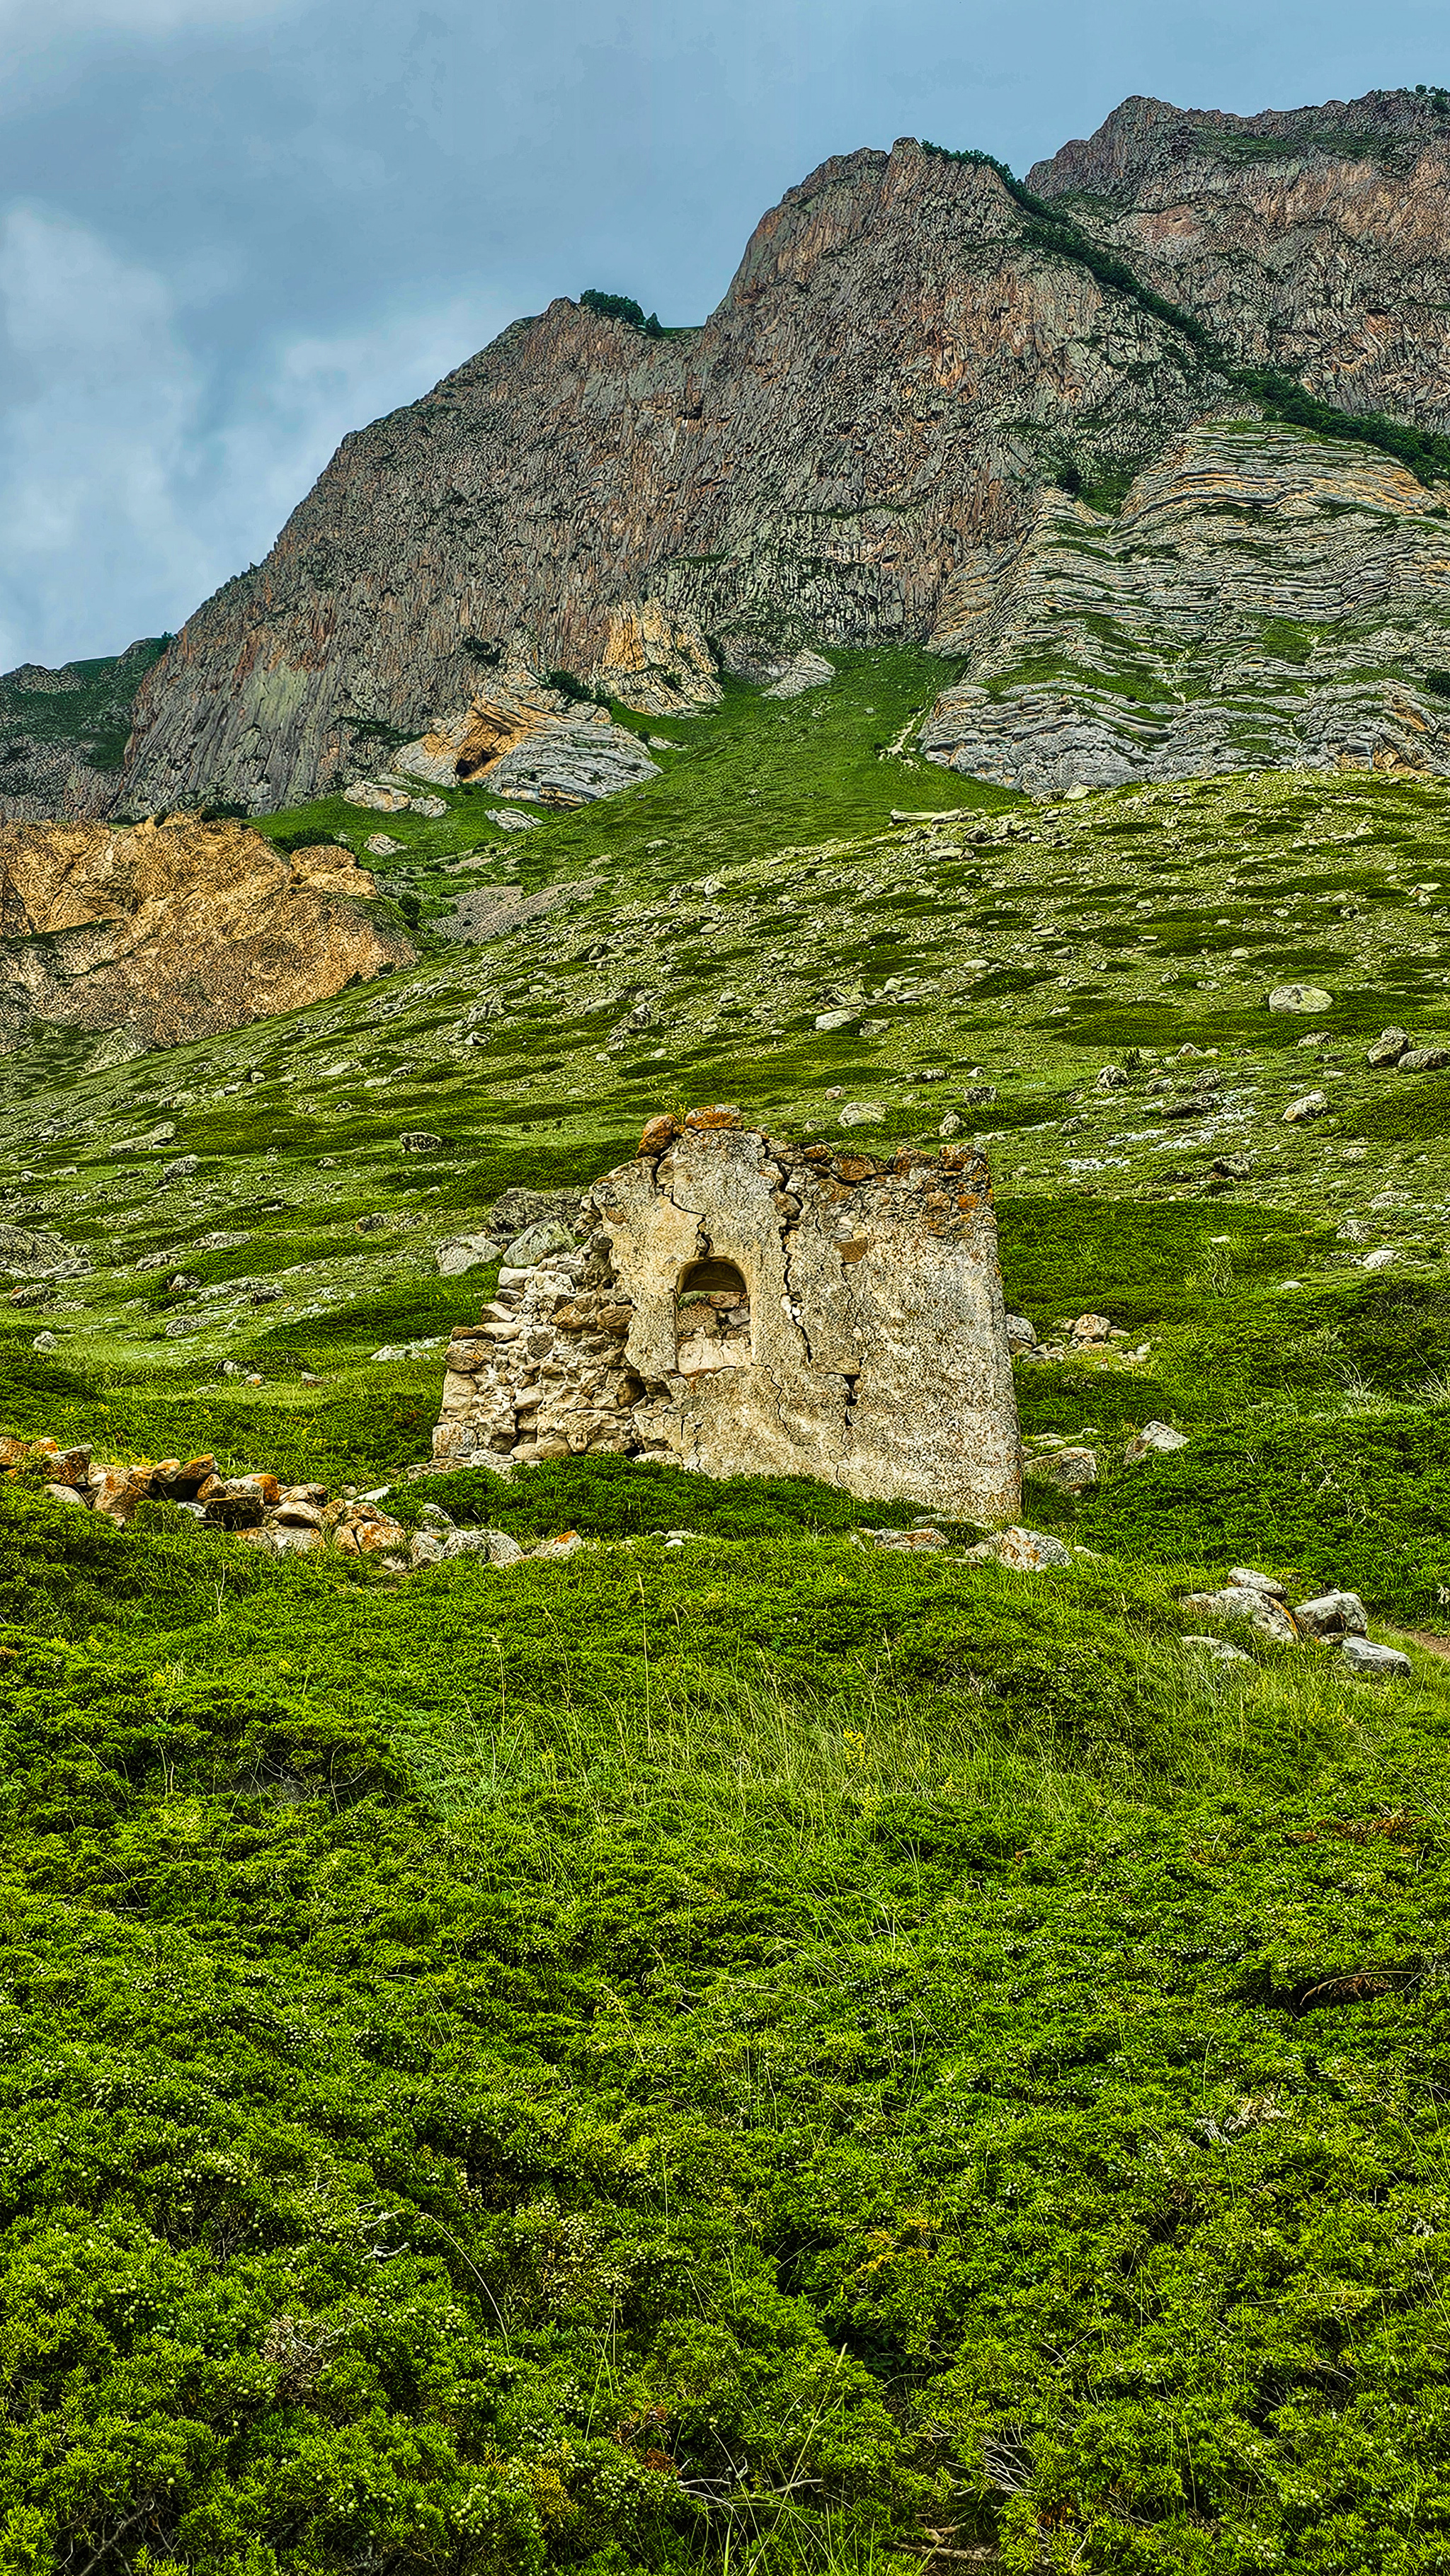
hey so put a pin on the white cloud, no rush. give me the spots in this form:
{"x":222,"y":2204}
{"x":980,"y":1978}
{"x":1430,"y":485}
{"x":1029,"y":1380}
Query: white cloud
{"x":131,"y":481}
{"x":92,"y":442}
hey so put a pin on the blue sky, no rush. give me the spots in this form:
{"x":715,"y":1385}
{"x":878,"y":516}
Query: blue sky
{"x":231,"y":230}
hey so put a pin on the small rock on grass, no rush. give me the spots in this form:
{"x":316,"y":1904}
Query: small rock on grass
{"x":1300,"y":997}
{"x":1258,"y":1610}
{"x":1025,"y":1551}
{"x":465,"y":1252}
{"x":1312,"y":1105}
{"x":1090,"y":1328}
{"x":1424,"y":1060}
{"x":1021,"y":1335}
{"x":1249,"y":1579}
{"x":1155,"y":1439}
{"x":1375,"y":1663}
{"x":1220,"y":1649}
{"x":1072,"y":1468}
{"x":1388,"y":1047}
{"x":1332,"y":1614}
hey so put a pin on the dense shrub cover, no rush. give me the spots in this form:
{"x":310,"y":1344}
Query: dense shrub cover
{"x":769,"y":2051}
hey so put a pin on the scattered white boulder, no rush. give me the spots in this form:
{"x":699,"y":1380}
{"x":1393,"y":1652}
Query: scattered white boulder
{"x":1311,"y":1104}
{"x":465,"y":1252}
{"x":1300,"y":997}
{"x":1073,"y":1468}
{"x":1156,"y":1439}
{"x":1375,"y":1663}
{"x":1025,"y":1551}
{"x":804,"y":671}
{"x":1241,"y":1602}
{"x":370,"y":792}
{"x":1220,"y":1649}
{"x":1332,"y":1614}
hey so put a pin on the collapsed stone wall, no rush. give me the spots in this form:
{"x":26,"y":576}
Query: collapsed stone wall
{"x":747,"y":1306}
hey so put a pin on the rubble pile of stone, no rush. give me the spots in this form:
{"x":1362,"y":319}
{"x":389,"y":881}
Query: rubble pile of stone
{"x":1260,"y":1603}
{"x":1094,"y":1336}
{"x":285,"y":1520}
{"x":1395,"y":1048}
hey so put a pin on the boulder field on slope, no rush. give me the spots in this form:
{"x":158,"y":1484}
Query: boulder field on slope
{"x":879,"y":390}
{"x":1266,"y":599}
{"x":1313,"y":239}
{"x":176,"y":931}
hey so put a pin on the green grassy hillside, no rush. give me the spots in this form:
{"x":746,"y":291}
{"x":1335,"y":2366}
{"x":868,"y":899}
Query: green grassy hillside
{"x":750,"y":2051}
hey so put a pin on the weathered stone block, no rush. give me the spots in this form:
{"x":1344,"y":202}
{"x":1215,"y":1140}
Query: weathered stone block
{"x":850,"y":1327}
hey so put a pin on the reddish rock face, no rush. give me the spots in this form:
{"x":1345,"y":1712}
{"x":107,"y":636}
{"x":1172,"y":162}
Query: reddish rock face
{"x":1314,"y":239}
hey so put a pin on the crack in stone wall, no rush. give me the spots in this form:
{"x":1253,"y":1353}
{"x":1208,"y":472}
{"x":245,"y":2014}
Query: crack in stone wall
{"x":878,"y":1354}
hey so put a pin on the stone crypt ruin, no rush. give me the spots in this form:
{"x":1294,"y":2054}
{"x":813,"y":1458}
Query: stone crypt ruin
{"x":747,"y":1306}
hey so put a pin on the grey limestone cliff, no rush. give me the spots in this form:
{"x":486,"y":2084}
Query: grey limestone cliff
{"x":1265,"y":599}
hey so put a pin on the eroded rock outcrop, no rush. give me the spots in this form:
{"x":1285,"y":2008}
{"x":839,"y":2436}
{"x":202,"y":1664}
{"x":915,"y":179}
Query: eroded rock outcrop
{"x":177,"y":931}
{"x":1266,"y":599}
{"x":910,"y":351}
{"x":63,"y":734}
{"x":657,"y":660}
{"x":746,"y":1306}
{"x":520,"y":736}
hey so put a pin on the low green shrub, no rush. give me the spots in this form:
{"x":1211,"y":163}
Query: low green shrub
{"x":1361,"y":1503}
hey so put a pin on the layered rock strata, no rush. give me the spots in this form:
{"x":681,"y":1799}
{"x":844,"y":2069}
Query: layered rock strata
{"x":520,"y":736}
{"x":1265,"y":600}
{"x":177,"y":931}
{"x":750,"y":1307}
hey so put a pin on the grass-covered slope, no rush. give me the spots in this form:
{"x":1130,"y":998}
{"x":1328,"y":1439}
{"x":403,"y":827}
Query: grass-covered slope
{"x":63,"y":733}
{"x":749,"y":2050}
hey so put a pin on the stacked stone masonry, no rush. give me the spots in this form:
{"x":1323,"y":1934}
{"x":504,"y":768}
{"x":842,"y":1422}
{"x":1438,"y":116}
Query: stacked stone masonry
{"x":746,"y":1306}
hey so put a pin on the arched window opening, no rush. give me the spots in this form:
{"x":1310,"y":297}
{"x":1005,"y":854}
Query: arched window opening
{"x":712,"y":1318}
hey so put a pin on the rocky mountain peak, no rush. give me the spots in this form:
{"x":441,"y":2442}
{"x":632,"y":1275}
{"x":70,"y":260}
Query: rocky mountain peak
{"x":912,"y":350}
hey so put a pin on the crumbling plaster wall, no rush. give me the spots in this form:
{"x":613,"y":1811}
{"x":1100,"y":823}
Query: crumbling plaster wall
{"x":878,"y":1351}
